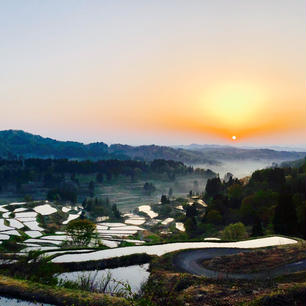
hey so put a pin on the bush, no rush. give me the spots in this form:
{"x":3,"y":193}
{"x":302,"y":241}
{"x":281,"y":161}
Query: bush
{"x":81,"y":231}
{"x":213,"y":216}
{"x":235,"y":231}
{"x":11,"y":245}
{"x":35,"y":267}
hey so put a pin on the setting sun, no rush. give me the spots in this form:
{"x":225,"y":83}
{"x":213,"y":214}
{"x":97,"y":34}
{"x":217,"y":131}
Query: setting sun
{"x":234,"y":137}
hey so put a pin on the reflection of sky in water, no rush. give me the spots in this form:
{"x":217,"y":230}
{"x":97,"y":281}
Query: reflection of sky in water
{"x":16,"y":302}
{"x":161,"y":249}
{"x":135,"y":275}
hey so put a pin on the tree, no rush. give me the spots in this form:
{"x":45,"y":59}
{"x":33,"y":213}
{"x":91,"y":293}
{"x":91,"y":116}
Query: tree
{"x":257,"y":228}
{"x":80,"y":231}
{"x":190,"y":225}
{"x":300,"y":204}
{"x":228,"y":177}
{"x":91,"y":188}
{"x":234,"y":193}
{"x":28,"y":198}
{"x":53,"y":195}
{"x":248,"y":209}
{"x":148,"y":188}
{"x":285,"y":219}
{"x":68,"y":192}
{"x":116,"y":212}
{"x":100,"y":177}
{"x":164,"y":199}
{"x":213,"y":187}
{"x":214,"y":217}
{"x":191,"y":210}
{"x":235,"y":231}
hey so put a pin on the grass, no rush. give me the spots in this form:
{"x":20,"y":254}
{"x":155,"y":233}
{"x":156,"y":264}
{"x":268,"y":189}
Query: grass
{"x":59,"y":296}
{"x":33,"y":277}
{"x":292,"y":295}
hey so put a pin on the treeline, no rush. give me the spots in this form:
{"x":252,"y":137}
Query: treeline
{"x":273,"y":201}
{"x":101,"y":207}
{"x":54,"y":173}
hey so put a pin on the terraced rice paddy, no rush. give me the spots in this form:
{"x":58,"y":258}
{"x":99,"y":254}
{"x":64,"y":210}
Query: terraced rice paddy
{"x":24,"y":219}
{"x":171,"y":247}
{"x":45,"y":209}
{"x":147,"y":209}
{"x":4,"y":301}
{"x":167,"y":221}
{"x":180,"y":226}
{"x":134,"y":275}
{"x":129,"y":195}
{"x":72,"y":217}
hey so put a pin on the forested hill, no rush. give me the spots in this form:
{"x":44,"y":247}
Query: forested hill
{"x":16,"y":143}
{"x":234,"y":153}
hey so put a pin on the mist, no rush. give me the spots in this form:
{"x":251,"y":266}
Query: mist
{"x":239,"y":168}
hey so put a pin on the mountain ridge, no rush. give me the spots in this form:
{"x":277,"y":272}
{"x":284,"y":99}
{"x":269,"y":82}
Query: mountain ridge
{"x":17,"y":143}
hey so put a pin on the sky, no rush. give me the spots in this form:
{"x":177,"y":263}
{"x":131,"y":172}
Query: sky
{"x":165,"y":72}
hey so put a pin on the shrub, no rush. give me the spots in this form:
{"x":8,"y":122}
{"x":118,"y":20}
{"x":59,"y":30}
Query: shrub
{"x":81,"y":231}
{"x":235,"y":231}
{"x":35,"y":267}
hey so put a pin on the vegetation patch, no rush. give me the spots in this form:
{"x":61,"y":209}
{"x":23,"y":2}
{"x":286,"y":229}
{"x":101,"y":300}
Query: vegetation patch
{"x":167,"y":285}
{"x":55,"y":295}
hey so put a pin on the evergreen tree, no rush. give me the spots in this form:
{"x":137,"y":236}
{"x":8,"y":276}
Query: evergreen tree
{"x":164,"y":199}
{"x":285,"y":219}
{"x":213,"y":187}
{"x":257,"y":228}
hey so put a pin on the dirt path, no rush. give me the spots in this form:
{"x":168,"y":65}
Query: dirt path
{"x":190,"y":261}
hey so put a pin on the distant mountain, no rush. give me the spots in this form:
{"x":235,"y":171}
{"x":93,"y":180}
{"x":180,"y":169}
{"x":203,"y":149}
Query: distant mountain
{"x":294,"y":163}
{"x":20,"y":143}
{"x":220,"y":152}
{"x":16,"y":143}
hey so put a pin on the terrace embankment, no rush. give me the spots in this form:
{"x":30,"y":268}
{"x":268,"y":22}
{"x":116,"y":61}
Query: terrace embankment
{"x":109,"y":263}
{"x":55,"y":295}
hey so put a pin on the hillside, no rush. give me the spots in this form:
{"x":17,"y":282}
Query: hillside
{"x":233,"y":153}
{"x":15,"y":143}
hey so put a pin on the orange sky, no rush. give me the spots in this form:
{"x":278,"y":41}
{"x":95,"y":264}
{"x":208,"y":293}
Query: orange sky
{"x":155,"y":72}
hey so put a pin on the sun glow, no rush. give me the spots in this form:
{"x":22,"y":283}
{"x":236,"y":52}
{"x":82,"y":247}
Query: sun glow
{"x":237,"y":106}
{"x":234,"y":105}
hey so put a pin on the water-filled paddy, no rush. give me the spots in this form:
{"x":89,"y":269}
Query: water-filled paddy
{"x":162,"y":249}
{"x":45,"y":209}
{"x":4,"y":301}
{"x":135,"y":276}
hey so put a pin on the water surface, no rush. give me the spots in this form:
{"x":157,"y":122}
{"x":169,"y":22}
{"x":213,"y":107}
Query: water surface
{"x":4,"y":301}
{"x":135,"y":276}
